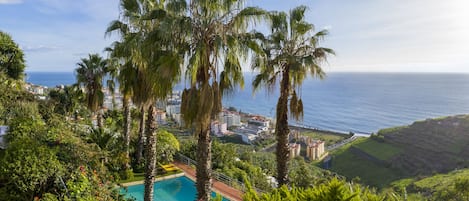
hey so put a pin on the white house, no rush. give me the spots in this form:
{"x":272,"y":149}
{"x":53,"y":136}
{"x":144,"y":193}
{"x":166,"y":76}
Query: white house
{"x":3,"y":132}
{"x":219,"y":129}
{"x":173,"y":109}
{"x":259,"y":121}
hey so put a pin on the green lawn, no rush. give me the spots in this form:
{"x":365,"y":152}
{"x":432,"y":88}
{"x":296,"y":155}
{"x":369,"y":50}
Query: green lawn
{"x":351,"y":166}
{"x":379,"y":150}
{"x":328,"y":138}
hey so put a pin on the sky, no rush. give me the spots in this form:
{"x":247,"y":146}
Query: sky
{"x":367,"y":35}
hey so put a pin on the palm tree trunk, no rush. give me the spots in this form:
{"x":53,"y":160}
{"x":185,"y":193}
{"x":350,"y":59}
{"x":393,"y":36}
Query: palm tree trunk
{"x":141,"y":137}
{"x":150,"y":153}
{"x":204,"y":164}
{"x":282,"y":130}
{"x":127,"y":122}
{"x":99,"y":119}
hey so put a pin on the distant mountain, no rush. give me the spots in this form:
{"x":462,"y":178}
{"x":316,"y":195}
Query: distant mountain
{"x":420,"y":149}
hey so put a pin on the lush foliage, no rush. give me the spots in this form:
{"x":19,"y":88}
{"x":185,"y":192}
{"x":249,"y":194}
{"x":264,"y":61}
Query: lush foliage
{"x":167,"y":146}
{"x":11,"y":57}
{"x":333,"y":190}
{"x":216,"y":41}
{"x":289,"y":54}
{"x":46,"y":155}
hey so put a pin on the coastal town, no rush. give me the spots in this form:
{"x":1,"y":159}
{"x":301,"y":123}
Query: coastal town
{"x":250,"y":128}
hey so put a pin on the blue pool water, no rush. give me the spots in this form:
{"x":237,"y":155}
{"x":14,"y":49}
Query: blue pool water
{"x":177,"y":189}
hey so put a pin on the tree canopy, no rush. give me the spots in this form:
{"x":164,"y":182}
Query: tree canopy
{"x":11,"y":57}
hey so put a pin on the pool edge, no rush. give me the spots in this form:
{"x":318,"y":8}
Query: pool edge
{"x":155,"y":180}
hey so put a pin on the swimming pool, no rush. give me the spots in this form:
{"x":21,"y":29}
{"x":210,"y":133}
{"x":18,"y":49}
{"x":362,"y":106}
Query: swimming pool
{"x":176,"y":189}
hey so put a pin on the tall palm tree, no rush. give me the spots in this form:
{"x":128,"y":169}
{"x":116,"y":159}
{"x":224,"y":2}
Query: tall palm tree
{"x":153,"y":60}
{"x":217,"y":41}
{"x":124,"y":74}
{"x":90,"y":74}
{"x":291,"y":52}
{"x":122,"y":52}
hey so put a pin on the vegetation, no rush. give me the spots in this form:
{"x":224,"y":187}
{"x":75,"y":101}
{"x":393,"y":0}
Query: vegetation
{"x":377,"y":149}
{"x":419,"y":149}
{"x":451,"y":186}
{"x":217,"y":40}
{"x":53,"y":153}
{"x":352,"y":166}
{"x":328,"y":138}
{"x":48,"y":158}
{"x":290,"y":53}
{"x":332,"y":190}
{"x":148,"y":52}
{"x":11,"y":57}
{"x":90,"y":74}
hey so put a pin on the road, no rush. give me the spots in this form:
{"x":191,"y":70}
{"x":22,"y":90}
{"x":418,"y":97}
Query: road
{"x":341,"y":143}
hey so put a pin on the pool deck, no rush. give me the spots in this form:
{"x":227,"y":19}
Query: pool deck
{"x":225,"y":190}
{"x":155,"y":180}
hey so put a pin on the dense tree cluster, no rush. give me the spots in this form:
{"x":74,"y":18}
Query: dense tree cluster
{"x":47,"y":158}
{"x":11,"y":57}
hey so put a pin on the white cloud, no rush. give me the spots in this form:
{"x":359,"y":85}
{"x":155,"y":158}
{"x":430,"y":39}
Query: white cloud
{"x":39,"y":48}
{"x":11,"y":1}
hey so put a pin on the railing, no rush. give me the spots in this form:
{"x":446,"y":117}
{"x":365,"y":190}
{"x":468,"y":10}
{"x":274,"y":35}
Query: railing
{"x":217,"y":175}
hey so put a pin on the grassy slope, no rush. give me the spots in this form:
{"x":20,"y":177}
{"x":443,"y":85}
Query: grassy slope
{"x":379,"y":150}
{"x":328,"y":138}
{"x":351,"y":165}
{"x":423,"y":148}
{"x":431,"y":184}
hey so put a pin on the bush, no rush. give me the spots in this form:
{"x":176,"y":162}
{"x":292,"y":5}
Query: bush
{"x":126,"y":174}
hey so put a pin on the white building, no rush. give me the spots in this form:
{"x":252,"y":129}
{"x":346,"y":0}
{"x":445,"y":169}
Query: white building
{"x":173,"y":109}
{"x":39,"y":90}
{"x":160,"y":117}
{"x":219,"y":129}
{"x":230,"y":118}
{"x":259,"y":121}
{"x":3,"y":132}
{"x":250,"y":130}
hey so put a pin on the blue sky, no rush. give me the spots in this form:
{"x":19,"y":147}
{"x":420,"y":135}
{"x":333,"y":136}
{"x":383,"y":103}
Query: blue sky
{"x":368,"y":35}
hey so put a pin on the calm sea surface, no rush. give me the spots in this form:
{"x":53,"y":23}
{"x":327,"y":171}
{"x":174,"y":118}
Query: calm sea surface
{"x":358,"y":102}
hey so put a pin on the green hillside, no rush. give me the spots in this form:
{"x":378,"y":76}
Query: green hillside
{"x":420,"y":149}
{"x":450,"y":186}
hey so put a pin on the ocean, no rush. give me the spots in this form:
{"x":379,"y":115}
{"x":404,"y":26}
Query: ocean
{"x":356,"y":102}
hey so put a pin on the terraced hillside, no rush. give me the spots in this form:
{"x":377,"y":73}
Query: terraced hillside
{"x":423,"y":148}
{"x":434,"y":145}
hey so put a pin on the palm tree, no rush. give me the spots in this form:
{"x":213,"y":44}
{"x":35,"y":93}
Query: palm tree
{"x":217,"y":41}
{"x":152,"y":60}
{"x":124,"y":74}
{"x":291,"y":52}
{"x":121,"y":52}
{"x":89,"y":74}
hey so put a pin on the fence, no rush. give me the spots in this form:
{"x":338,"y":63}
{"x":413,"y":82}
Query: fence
{"x":217,"y":175}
